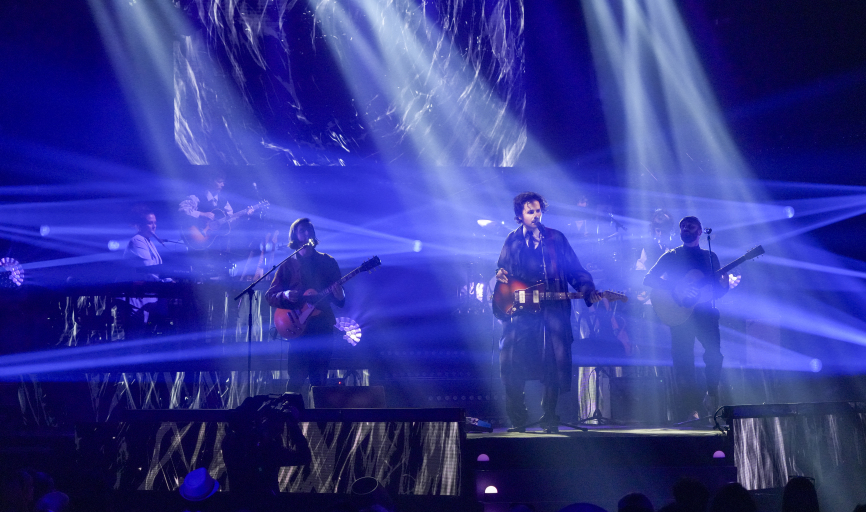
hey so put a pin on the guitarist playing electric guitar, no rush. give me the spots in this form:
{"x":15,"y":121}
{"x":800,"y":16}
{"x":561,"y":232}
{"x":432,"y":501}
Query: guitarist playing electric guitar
{"x":538,"y":346}
{"x":297,"y":282}
{"x":676,"y":273}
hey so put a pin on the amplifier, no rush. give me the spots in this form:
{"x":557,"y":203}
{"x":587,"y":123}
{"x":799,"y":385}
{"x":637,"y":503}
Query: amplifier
{"x":638,"y":400}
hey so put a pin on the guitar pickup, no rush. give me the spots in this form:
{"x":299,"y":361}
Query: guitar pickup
{"x":521,"y":297}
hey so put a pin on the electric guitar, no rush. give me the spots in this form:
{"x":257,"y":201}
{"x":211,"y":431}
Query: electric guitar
{"x":673,"y":307}
{"x":516,"y":296}
{"x":203,"y":234}
{"x":291,"y":323}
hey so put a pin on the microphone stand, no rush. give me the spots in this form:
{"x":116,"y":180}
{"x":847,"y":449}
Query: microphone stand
{"x":713,"y":282}
{"x":250,"y":291}
{"x":712,"y":266}
{"x":550,"y":428}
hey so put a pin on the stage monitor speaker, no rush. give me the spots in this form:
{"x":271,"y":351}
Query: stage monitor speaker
{"x":638,"y":399}
{"x":348,"y":397}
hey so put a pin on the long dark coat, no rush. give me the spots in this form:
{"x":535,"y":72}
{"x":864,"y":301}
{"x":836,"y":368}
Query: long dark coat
{"x":538,"y":346}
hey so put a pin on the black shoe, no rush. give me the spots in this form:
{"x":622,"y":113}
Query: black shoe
{"x":550,"y":423}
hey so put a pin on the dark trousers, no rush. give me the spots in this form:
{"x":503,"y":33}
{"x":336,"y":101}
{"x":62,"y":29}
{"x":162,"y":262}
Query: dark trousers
{"x":515,"y":402}
{"x":703,"y":325}
{"x":523,"y":357}
{"x":309,"y":356}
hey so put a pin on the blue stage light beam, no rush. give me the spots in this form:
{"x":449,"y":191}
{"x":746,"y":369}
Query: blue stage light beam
{"x":130,"y":353}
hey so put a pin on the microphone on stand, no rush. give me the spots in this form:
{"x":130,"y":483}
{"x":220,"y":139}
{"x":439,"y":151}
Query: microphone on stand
{"x":310,"y":243}
{"x":158,"y":239}
{"x":708,"y":230}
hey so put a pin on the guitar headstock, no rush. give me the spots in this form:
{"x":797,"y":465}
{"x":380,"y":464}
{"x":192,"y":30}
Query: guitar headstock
{"x":754,"y":252}
{"x":370,"y":264}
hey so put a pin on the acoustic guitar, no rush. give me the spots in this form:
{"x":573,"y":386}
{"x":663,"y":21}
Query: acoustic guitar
{"x":291,"y":323}
{"x":673,"y":307}
{"x":516,"y":296}
{"x":201,"y":235}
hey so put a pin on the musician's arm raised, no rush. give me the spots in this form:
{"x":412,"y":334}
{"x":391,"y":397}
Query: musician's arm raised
{"x":653,"y":278}
{"x":189,"y":206}
{"x":722,"y":285}
{"x":284,"y":290}
{"x":578,"y":277}
{"x":504,"y":264}
{"x":338,"y":296}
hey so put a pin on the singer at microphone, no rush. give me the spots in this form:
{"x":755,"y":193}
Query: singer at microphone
{"x":141,"y":251}
{"x":305,"y":290}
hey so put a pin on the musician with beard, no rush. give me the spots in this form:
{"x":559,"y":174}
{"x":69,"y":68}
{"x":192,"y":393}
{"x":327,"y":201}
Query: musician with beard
{"x":703,"y":324}
{"x":537,"y":346}
{"x":303,"y":280}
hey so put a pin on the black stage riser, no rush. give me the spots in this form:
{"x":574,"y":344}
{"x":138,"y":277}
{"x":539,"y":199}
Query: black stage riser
{"x":597,"y":467}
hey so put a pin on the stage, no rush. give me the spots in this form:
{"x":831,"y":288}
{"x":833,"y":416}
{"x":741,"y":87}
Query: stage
{"x":401,"y":137}
{"x":598,"y":466}
{"x":429,"y":459}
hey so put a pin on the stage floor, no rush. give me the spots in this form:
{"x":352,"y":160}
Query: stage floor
{"x":602,"y":430}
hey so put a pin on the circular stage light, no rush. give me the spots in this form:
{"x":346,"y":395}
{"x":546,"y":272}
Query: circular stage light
{"x":350,"y":328}
{"x":11,"y":274}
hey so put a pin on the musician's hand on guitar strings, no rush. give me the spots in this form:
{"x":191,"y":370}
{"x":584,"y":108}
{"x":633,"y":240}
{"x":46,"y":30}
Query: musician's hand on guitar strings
{"x":207,"y":215}
{"x":291,"y":295}
{"x":502,"y":275}
{"x":595,"y":296}
{"x":337,"y":291}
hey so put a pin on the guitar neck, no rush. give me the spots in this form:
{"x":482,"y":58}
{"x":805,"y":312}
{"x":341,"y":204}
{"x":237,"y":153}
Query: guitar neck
{"x":341,"y":281}
{"x":753,"y":253}
{"x":561,"y":296}
{"x":730,"y":266}
{"x":232,"y":217}
{"x":348,"y":276}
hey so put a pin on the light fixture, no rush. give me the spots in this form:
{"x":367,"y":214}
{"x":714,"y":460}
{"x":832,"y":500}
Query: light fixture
{"x":11,"y":275}
{"x":350,"y":328}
